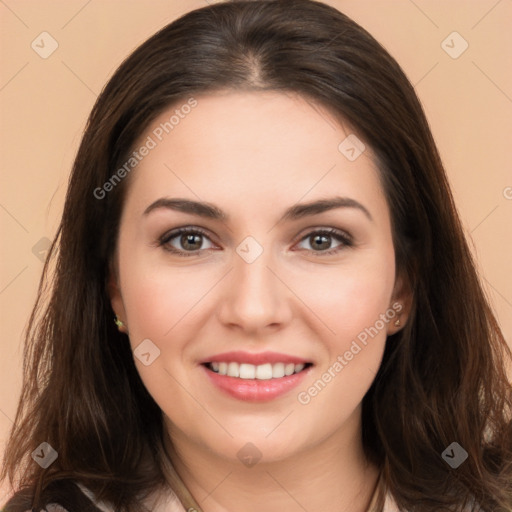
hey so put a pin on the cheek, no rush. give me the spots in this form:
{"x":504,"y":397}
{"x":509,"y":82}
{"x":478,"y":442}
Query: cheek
{"x":354,"y":305}
{"x":348,"y":299}
{"x":159,"y":299}
{"x":164,"y":304}
{"x":339,"y":302}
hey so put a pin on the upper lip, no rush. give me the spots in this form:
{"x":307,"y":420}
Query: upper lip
{"x":254,"y":358}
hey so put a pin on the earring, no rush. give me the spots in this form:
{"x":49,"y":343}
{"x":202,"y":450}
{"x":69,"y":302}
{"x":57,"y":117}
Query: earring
{"x":397,"y":322}
{"x":119,"y":324}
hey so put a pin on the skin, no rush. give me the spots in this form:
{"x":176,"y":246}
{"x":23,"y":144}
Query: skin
{"x":254,"y":154}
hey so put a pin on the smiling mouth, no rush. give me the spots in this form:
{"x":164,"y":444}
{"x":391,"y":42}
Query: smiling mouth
{"x":265,"y":371}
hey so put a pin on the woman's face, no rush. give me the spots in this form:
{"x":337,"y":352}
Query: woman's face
{"x":289,"y":262}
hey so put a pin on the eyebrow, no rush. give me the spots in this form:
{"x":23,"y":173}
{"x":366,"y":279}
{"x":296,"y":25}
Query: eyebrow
{"x":295,"y":212}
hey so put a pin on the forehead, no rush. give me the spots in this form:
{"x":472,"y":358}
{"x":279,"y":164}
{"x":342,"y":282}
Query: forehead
{"x":266,"y":146}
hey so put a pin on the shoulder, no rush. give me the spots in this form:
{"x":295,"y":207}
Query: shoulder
{"x":391,"y":506}
{"x":72,"y":496}
{"x":167,"y":502}
{"x":100,"y":505}
{"x":58,"y":496}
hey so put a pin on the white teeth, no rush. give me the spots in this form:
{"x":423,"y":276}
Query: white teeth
{"x":289,"y":369}
{"x":247,"y":371}
{"x":277,"y":370}
{"x":261,"y":372}
{"x":233,"y":370}
{"x":264,"y":371}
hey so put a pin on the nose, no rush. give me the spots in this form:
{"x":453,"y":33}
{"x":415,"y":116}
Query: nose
{"x":255,"y":299}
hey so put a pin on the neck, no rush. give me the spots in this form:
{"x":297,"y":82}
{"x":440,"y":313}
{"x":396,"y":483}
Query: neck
{"x":333,"y":475}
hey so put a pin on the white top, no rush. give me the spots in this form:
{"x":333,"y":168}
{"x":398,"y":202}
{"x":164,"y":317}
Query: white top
{"x":172,"y":504}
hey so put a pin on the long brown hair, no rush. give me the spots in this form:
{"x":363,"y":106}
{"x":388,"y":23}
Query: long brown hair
{"x":443,"y":377}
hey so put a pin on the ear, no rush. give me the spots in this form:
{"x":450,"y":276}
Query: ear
{"x":116,"y":299}
{"x":401,"y":304}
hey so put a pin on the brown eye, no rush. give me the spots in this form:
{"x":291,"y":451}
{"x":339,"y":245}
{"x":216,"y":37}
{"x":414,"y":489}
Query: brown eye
{"x":186,"y":240}
{"x":321,"y":242}
{"x":191,"y":241}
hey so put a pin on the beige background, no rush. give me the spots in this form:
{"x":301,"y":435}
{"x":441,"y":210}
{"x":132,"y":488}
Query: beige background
{"x":44,"y":104}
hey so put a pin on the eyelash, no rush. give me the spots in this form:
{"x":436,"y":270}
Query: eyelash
{"x":340,"y":236}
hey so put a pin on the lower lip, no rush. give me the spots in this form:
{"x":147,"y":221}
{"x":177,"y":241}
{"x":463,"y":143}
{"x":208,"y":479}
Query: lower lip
{"x":255,"y":390}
